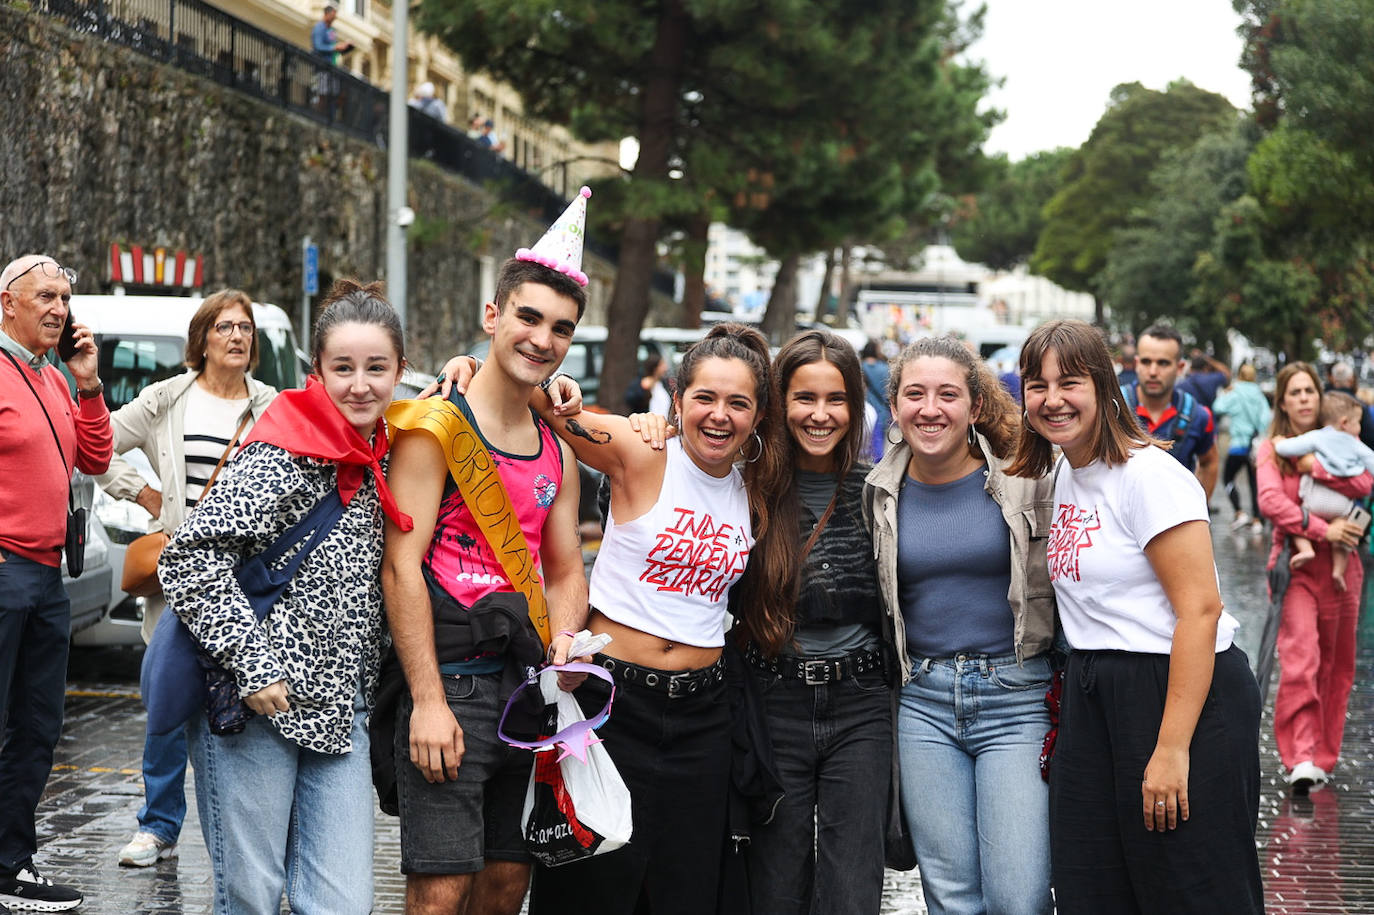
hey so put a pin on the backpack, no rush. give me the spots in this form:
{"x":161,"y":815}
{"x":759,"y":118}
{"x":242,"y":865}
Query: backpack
{"x":1185,"y":409}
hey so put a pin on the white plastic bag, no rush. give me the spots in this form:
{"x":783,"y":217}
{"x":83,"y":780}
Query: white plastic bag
{"x":573,"y":809}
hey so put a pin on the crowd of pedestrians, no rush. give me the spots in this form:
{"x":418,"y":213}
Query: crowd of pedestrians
{"x":989,"y":645}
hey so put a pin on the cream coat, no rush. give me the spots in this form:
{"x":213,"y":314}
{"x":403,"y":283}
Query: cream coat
{"x":154,"y":421}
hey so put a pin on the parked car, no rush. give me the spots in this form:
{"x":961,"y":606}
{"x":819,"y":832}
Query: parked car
{"x":142,"y":340}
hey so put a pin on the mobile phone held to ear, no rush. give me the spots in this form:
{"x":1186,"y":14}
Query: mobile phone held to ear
{"x":66,"y":344}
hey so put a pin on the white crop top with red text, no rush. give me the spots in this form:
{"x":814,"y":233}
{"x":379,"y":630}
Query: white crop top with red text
{"x":669,"y":571}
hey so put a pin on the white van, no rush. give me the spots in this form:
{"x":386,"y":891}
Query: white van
{"x":142,"y":339}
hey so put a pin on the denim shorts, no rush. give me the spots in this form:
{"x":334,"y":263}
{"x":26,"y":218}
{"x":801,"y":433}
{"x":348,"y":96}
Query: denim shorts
{"x":454,"y":827}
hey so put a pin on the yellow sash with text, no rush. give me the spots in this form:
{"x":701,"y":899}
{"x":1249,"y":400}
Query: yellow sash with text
{"x":479,"y":483}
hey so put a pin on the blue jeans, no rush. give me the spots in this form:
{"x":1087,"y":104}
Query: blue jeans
{"x":823,"y":850}
{"x":164,"y":784}
{"x":35,"y":625}
{"x":278,"y":818}
{"x":164,"y":763}
{"x":969,"y":731}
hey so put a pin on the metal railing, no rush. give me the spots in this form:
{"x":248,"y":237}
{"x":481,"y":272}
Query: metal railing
{"x":201,"y":39}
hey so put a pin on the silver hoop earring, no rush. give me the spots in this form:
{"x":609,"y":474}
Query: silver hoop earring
{"x":887,"y":434}
{"x":758,"y":440}
{"x":1120,"y":413}
{"x":1025,"y":421}
{"x":972,"y":436}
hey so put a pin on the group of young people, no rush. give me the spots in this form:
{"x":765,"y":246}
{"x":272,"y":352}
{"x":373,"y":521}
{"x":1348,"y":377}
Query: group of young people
{"x":891,"y":632}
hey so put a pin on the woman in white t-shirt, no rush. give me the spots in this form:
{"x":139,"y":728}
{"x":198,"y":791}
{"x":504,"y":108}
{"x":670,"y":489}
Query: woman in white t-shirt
{"x":1154,"y":790}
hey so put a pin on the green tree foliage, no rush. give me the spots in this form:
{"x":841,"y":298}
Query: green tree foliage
{"x":711,"y":89}
{"x":1000,"y":225}
{"x":888,"y":173}
{"x":1309,"y":225}
{"x":1149,"y":270}
{"x":1108,"y":178}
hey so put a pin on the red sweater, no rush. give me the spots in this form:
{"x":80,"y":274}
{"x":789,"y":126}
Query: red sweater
{"x":33,"y":480}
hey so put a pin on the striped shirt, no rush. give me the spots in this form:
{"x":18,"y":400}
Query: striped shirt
{"x":209,"y":423}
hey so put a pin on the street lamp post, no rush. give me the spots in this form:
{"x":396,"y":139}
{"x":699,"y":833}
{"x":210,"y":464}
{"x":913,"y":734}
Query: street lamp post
{"x":399,"y":215}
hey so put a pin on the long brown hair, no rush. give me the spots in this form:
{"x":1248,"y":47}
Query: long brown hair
{"x":770,"y":587}
{"x":738,"y":341}
{"x":1281,"y":424}
{"x":997,"y":419}
{"x":1080,"y":350}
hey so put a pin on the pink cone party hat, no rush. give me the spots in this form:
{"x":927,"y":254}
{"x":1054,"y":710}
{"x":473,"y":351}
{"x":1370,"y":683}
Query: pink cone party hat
{"x":561,"y":247}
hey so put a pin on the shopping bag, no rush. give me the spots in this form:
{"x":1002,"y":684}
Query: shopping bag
{"x":576,"y":805}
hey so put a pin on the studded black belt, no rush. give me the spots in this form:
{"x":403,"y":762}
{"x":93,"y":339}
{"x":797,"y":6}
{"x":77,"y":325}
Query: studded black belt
{"x":677,"y":684}
{"x":815,"y":671}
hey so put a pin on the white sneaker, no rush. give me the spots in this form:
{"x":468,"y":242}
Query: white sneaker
{"x":145,"y":850}
{"x":1256,"y":528}
{"x":1306,"y":776}
{"x":1242,"y":519}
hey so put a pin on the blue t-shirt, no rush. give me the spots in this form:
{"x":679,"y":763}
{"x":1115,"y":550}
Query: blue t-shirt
{"x":323,"y":40}
{"x":1198,"y":436}
{"x":1203,"y":386}
{"x":953,"y":586}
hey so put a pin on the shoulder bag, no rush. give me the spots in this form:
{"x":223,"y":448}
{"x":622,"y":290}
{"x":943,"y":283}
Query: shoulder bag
{"x":179,"y":676}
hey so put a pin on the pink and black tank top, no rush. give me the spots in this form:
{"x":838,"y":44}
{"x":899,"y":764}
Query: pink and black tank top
{"x":459,"y":558}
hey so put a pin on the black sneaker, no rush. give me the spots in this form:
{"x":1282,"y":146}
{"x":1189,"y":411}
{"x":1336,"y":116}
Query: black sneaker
{"x":30,"y":891}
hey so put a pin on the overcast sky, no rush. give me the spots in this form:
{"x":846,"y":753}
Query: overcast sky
{"x":1061,"y":58}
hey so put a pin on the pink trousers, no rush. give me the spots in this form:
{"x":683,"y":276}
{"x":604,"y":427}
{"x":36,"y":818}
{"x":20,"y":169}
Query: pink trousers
{"x":1316,"y":649}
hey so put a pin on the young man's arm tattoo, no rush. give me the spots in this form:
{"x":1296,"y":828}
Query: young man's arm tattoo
{"x":595,"y":436}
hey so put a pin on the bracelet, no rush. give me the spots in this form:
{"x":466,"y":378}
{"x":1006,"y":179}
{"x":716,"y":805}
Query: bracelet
{"x":548,"y":382}
{"x":568,"y":632}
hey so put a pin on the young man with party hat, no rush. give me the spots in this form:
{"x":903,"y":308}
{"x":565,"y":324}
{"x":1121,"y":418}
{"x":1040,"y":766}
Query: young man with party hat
{"x":494,"y":497}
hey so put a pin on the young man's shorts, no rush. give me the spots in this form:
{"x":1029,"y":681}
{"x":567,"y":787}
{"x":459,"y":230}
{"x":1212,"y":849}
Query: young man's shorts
{"x":454,"y":827}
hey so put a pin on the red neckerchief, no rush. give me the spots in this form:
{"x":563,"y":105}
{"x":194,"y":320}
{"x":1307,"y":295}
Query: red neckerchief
{"x":307,"y":423}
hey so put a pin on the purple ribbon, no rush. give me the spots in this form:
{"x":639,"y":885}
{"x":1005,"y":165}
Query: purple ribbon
{"x":574,"y":739}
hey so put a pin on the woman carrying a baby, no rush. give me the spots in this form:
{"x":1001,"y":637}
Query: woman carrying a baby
{"x":1316,"y":641}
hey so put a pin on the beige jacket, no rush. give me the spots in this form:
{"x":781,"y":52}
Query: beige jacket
{"x":155,"y":422}
{"x":1027,"y":506}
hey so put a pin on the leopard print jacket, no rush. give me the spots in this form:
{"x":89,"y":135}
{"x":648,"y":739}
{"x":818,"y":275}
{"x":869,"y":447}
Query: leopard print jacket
{"x":325,"y":636}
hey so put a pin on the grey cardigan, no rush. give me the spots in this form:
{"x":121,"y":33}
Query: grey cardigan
{"x":1027,"y":506}
{"x":155,"y":422}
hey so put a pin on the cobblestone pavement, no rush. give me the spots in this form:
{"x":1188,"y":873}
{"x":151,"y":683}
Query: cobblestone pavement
{"x":1317,"y":854}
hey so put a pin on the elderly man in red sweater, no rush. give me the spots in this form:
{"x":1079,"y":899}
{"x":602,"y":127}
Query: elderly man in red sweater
{"x":44,"y":433}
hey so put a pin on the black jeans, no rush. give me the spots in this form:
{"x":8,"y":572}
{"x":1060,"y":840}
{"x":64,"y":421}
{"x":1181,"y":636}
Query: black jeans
{"x":674,"y":755}
{"x":822,"y":853}
{"x":1235,"y":463}
{"x":35,"y":625}
{"x":1104,"y":860}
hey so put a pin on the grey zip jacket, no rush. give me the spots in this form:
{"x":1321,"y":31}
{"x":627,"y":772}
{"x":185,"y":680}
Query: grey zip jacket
{"x":1027,"y":506}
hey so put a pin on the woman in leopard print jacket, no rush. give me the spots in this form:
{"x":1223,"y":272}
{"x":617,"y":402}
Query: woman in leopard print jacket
{"x":286,"y":805}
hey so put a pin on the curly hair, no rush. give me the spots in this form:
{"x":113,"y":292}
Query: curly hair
{"x":996,"y":411}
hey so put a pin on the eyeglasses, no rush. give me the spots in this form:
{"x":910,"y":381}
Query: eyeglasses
{"x":227,"y":328}
{"x":51,"y":269}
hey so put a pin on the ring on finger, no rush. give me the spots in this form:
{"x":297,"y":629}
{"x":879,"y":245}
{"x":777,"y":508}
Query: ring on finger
{"x":1159,"y":803}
